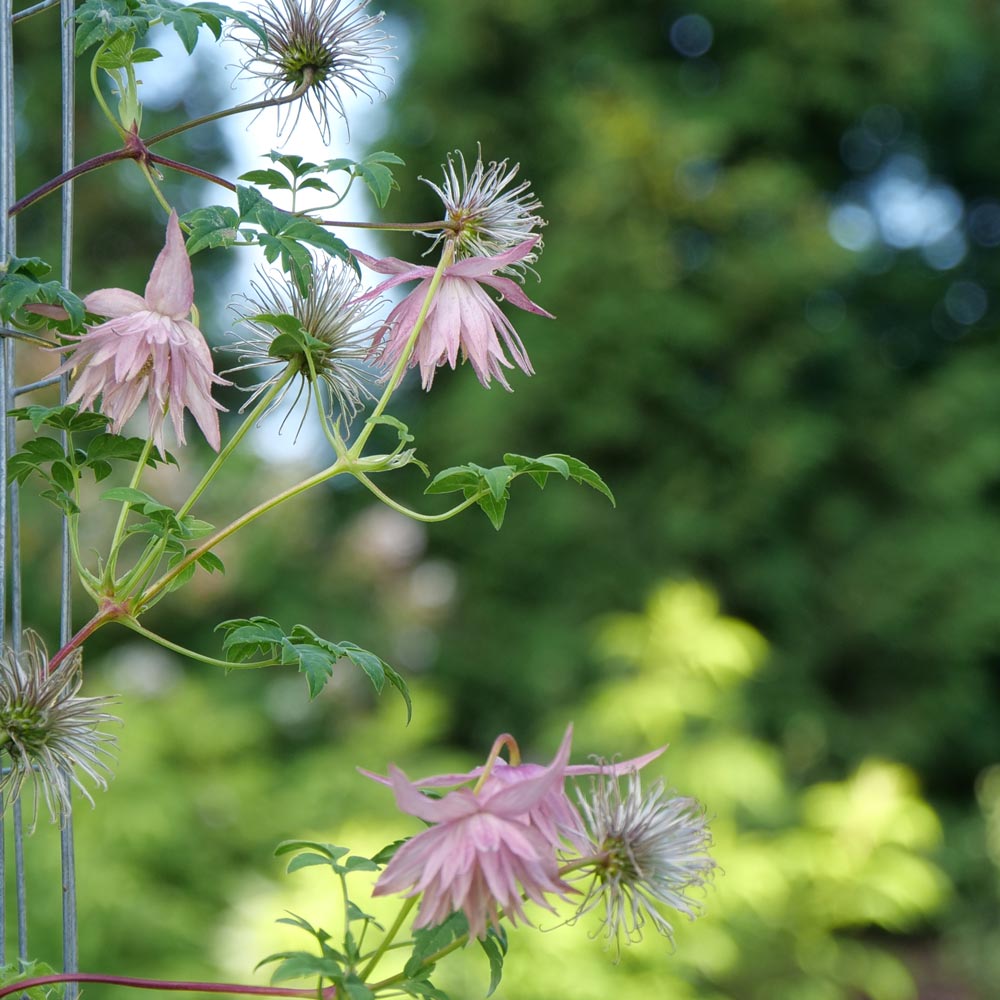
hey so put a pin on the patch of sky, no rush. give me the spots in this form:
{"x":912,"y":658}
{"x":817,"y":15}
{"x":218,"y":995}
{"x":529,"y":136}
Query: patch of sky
{"x":250,"y":137}
{"x":902,"y":207}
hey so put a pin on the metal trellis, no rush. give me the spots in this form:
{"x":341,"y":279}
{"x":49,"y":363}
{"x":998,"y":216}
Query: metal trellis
{"x":10,"y":578}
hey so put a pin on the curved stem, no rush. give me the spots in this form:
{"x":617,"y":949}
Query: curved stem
{"x":252,"y":417}
{"x":153,"y":553}
{"x":191,"y":654}
{"x":96,"y":87}
{"x":157,"y":193}
{"x":404,"y":912}
{"x":403,"y":226}
{"x":430,"y":960}
{"x":116,"y":538}
{"x":237,"y":989}
{"x":416,"y":515}
{"x":447,"y":256}
{"x":186,"y":168}
{"x":94,"y":163}
{"x":270,"y":102}
{"x":251,"y":515}
{"x":89,"y":581}
{"x":103,"y":616}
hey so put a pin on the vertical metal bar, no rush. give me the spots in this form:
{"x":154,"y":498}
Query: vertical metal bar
{"x":70,"y":938}
{"x":6,"y":357}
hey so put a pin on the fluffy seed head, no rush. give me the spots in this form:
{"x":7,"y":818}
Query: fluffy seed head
{"x":649,"y":850}
{"x":324,"y":45}
{"x":48,"y":735}
{"x":485,"y":213}
{"x":338,"y":328}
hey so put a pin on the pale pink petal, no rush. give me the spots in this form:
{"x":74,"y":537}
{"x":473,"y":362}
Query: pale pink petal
{"x":513,"y":293}
{"x":52,"y":312}
{"x":170,"y":290}
{"x":114,"y":302}
{"x":616,"y":768}
{"x":478,"y":267}
{"x":393,"y":265}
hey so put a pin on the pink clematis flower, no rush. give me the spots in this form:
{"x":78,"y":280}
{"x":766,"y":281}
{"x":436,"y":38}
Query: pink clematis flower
{"x":148,"y":346}
{"x":491,"y":844}
{"x":483,"y":851}
{"x":462,"y":315}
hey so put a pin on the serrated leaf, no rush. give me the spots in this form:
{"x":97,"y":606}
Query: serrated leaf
{"x":458,"y":477}
{"x":98,"y":20}
{"x":341,"y":163}
{"x":582,"y":473}
{"x":332,"y":851}
{"x":211,"y":226}
{"x":272,"y":179}
{"x":429,"y":940}
{"x":211,"y":562}
{"x":493,"y":508}
{"x":306,"y":861}
{"x":379,"y":179}
{"x":315,"y":184}
{"x":495,"y":954}
{"x":497,"y":479}
{"x":302,"y":965}
{"x":126,"y":494}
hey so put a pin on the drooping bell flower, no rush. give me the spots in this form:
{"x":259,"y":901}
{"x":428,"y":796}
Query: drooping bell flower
{"x":463,"y":317}
{"x":148,"y":347}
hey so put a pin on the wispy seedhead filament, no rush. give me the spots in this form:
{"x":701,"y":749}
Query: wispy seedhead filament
{"x":649,"y":850}
{"x":48,"y":735}
{"x":320,"y":47}
{"x":484,"y":213}
{"x":340,"y":325}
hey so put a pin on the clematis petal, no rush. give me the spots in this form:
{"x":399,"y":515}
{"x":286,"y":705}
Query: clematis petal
{"x":114,"y":302}
{"x":170,"y":290}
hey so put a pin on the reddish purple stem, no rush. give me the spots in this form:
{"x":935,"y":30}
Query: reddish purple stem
{"x":237,"y":989}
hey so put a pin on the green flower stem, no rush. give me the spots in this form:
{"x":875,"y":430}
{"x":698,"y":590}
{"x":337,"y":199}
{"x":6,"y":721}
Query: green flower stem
{"x":396,"y":377}
{"x":252,"y":417}
{"x":416,"y":515}
{"x":154,"y":589}
{"x":157,"y":193}
{"x":406,"y":227}
{"x":404,"y":912}
{"x":430,"y":960}
{"x":95,"y":86}
{"x":108,"y":611}
{"x":154,"y":553}
{"x":117,"y":538}
{"x":191,"y":654}
{"x":271,"y":102}
{"x":234,"y":989}
{"x":89,"y":581}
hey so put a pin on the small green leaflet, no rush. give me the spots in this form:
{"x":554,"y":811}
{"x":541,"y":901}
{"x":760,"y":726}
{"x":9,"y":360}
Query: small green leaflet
{"x":284,"y":237}
{"x":102,"y":20}
{"x":495,"y":946}
{"x":428,"y":941}
{"x":12,"y":972}
{"x":489,"y":487}
{"x":309,"y":853}
{"x":249,"y":638}
{"x":212,"y":226}
{"x":374,"y":170}
{"x":21,"y":284}
{"x":99,"y":20}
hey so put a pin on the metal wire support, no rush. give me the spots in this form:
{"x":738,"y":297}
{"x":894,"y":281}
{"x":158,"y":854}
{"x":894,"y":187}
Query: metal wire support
{"x":10,"y":570}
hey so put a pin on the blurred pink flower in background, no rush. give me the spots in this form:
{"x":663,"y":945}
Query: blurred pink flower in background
{"x":462,"y":315}
{"x":148,"y":346}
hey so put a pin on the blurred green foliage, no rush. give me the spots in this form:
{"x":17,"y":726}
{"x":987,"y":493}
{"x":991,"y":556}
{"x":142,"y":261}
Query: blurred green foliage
{"x":812,"y":431}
